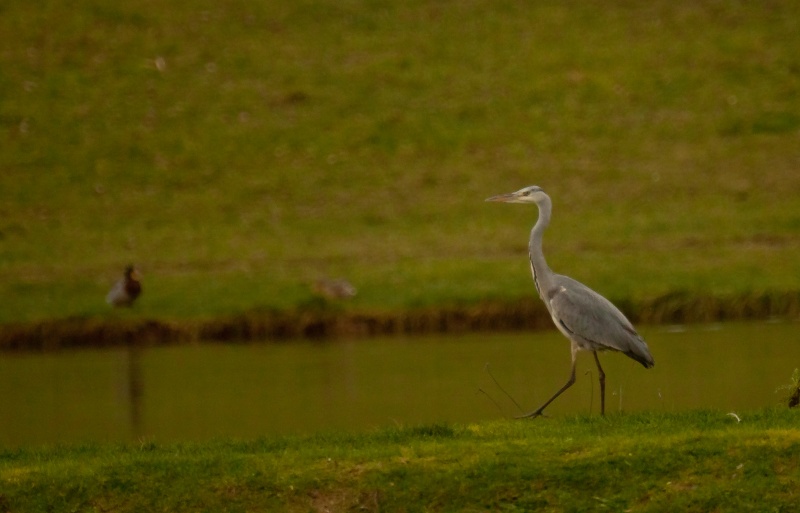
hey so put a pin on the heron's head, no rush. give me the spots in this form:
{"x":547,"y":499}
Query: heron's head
{"x":532,"y":194}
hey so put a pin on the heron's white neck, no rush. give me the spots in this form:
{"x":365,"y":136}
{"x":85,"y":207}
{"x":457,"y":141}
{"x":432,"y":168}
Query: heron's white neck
{"x":542,"y":275}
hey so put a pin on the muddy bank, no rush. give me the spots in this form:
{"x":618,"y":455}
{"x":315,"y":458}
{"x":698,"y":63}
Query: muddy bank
{"x":323,"y":321}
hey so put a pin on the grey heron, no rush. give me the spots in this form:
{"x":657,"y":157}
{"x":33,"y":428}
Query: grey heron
{"x":126,"y":290}
{"x":590,"y":321}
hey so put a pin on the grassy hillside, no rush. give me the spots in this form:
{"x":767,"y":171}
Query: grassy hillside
{"x":700,"y":461}
{"x":237,"y":150}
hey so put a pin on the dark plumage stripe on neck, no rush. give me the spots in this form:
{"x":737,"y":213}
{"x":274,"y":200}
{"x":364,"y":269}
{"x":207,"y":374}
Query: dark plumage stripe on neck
{"x":535,"y":277}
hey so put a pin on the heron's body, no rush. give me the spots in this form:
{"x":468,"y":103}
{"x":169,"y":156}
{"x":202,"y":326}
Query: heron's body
{"x":575,"y":311}
{"x":587,"y":319}
{"x":126,"y":290}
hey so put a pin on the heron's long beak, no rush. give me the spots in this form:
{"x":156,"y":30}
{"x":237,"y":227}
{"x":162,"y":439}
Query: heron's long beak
{"x":505,"y":198}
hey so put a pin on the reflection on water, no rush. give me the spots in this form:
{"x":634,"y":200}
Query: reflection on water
{"x":198,"y":392}
{"x":135,"y":387}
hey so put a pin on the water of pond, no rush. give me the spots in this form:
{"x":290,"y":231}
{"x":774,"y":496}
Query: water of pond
{"x":243,"y":391}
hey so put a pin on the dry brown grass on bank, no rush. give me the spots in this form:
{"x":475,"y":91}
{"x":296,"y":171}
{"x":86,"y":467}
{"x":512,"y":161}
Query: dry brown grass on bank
{"x":323,"y":322}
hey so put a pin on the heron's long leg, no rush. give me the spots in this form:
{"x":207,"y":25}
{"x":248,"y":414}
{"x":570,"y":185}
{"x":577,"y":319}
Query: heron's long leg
{"x":568,"y":384}
{"x":602,"y":384}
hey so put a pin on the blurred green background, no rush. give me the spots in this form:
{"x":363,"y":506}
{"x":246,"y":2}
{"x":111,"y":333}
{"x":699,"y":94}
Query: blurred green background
{"x":236,"y":151}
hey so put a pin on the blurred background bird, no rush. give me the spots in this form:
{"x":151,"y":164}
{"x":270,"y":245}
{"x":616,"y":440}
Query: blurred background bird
{"x":333,"y":288}
{"x":126,"y":290}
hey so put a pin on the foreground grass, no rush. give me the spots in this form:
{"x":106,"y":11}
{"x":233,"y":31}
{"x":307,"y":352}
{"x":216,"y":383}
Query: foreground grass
{"x":698,"y":461}
{"x":238,"y":150}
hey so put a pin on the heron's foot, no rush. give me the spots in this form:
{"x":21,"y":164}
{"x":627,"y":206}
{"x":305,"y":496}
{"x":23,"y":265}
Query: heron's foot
{"x":532,"y":415}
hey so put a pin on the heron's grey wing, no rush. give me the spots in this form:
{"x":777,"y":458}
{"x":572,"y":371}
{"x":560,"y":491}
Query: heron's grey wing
{"x":595,"y":321}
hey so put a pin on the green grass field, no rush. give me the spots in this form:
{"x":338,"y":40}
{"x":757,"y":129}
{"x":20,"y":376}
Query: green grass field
{"x":236,"y":151}
{"x":695,"y":462}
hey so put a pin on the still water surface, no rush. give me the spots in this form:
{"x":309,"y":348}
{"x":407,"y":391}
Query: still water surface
{"x":203,"y":391}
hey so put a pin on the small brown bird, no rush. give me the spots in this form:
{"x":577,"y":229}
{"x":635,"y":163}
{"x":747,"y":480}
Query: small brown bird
{"x":334,"y":288}
{"x":126,"y":290}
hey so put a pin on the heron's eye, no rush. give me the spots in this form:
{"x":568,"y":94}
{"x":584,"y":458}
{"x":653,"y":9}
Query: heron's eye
{"x":526,"y":193}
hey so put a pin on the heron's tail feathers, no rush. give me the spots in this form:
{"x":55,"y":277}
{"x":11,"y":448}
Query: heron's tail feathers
{"x":643,"y":356}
